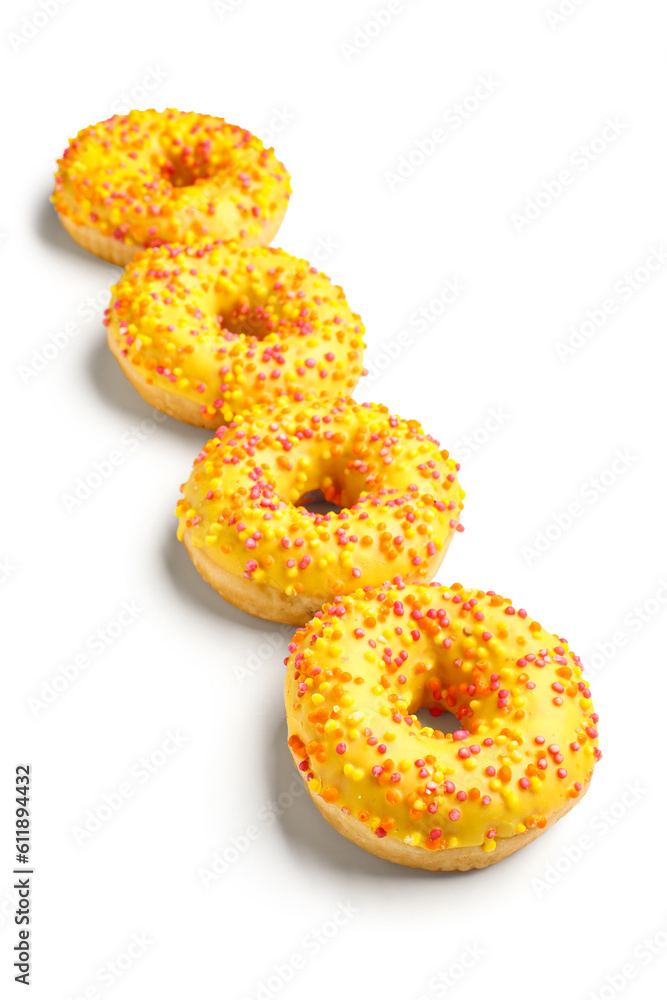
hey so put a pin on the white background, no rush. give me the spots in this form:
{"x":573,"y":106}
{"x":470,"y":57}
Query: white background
{"x":341,"y":118}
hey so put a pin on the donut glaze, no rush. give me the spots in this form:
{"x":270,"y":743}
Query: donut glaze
{"x":205,"y":332}
{"x":242,"y":524}
{"x":152,"y":177}
{"x":524,"y":752}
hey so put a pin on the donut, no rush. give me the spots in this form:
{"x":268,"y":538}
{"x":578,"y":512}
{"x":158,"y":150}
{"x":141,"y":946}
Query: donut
{"x":522,"y":757}
{"x":204,"y":332}
{"x":152,"y":177}
{"x":248,"y":535}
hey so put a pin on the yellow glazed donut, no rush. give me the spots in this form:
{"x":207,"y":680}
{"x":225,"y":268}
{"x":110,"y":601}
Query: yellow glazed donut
{"x":205,"y":332}
{"x":247,"y":536}
{"x":152,"y":177}
{"x":522,"y":758}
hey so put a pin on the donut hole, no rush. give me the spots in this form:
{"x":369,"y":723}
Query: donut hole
{"x":334,"y":488}
{"x":246,"y":321}
{"x":443,"y":720}
{"x":315,"y":502}
{"x":181,"y":174}
{"x":183,"y":164}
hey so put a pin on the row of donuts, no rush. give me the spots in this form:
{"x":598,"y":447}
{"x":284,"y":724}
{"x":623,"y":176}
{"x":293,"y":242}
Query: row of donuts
{"x":215,"y":328}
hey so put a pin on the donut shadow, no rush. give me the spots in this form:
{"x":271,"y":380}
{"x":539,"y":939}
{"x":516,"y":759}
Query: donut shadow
{"x":194,"y":591}
{"x":115,"y":390}
{"x":49,"y":229}
{"x":110,"y":383}
{"x":314,"y":842}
